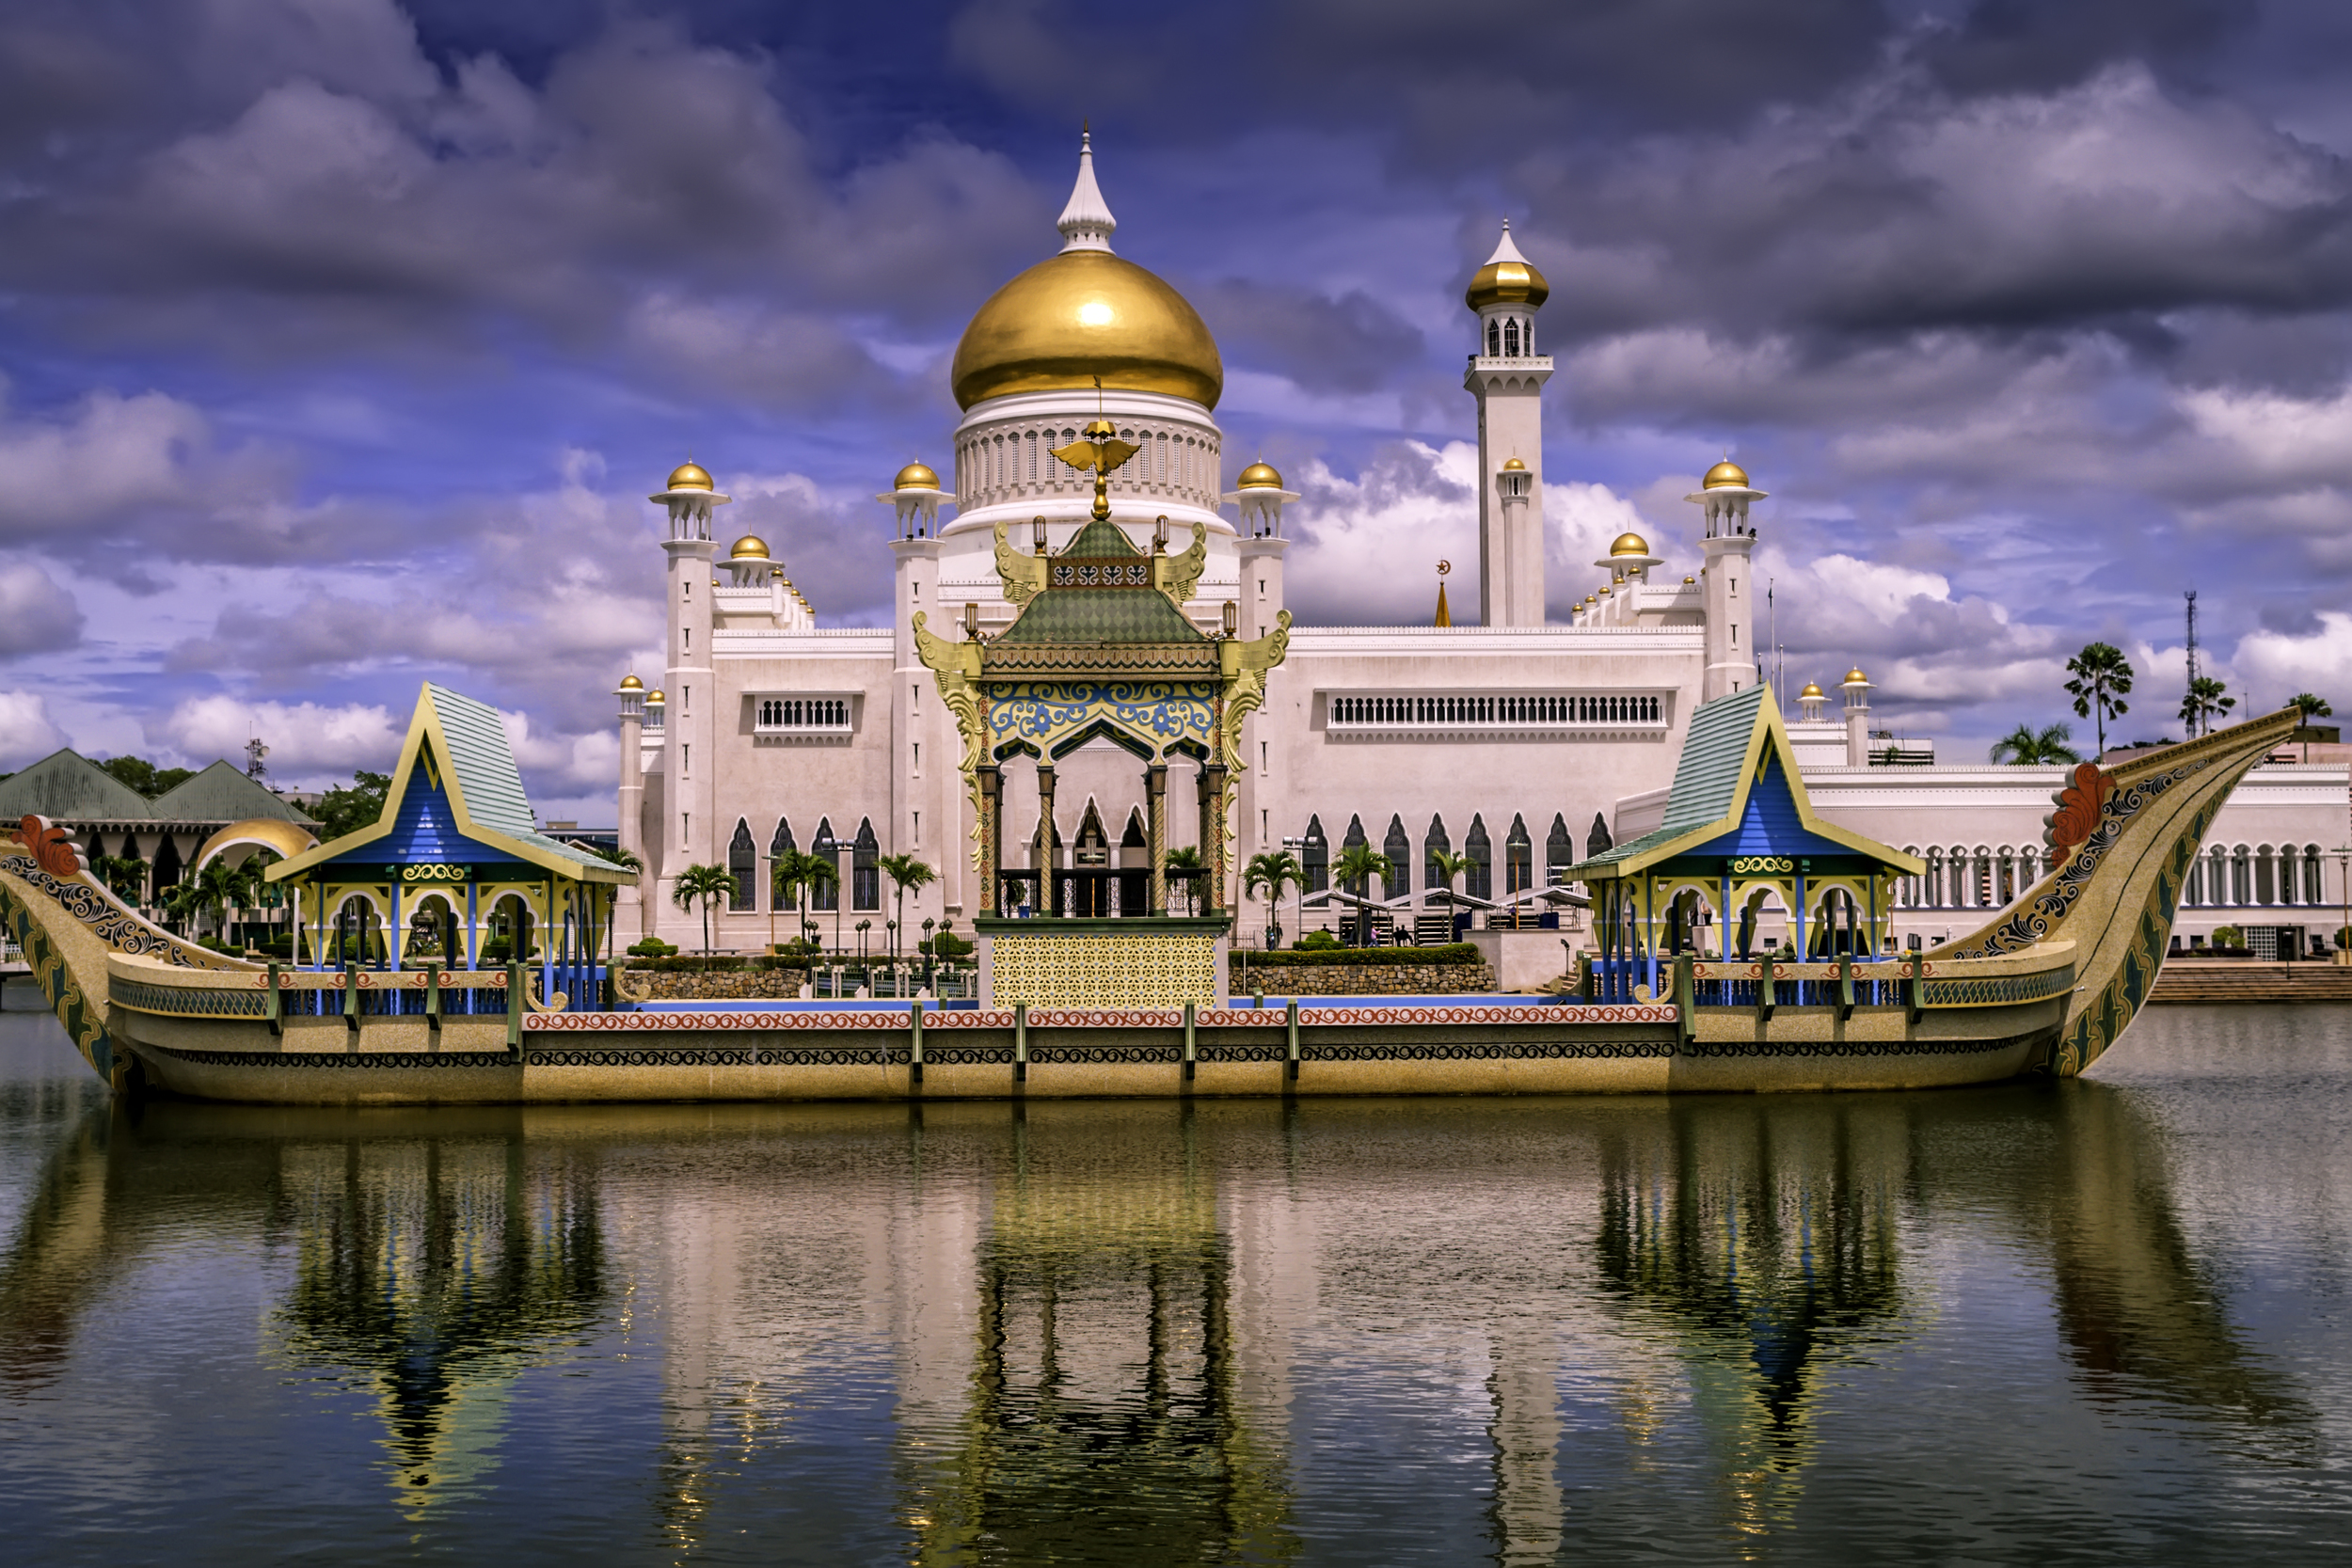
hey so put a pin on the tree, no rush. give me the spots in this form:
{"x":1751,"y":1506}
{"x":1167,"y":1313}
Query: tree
{"x":2103,"y":678}
{"x":1359,"y":864}
{"x":625,"y":859}
{"x":346,"y":809}
{"x":213,"y":891}
{"x":1270,"y":873}
{"x":125,"y":874}
{"x":145,"y":777}
{"x":797,"y":873}
{"x":1448,"y":865}
{"x":1184,"y":863}
{"x":2204,"y":701}
{"x":706,"y":884}
{"x":2307,"y":707}
{"x":2027,"y":747}
{"x":904,"y":872}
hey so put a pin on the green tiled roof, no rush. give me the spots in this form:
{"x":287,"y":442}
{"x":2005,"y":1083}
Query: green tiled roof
{"x":1707,"y":780}
{"x":223,"y":793}
{"x":1102,"y":615}
{"x":67,"y":787}
{"x":1101,"y":537}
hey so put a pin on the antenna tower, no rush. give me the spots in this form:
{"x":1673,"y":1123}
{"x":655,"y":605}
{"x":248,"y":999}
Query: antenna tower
{"x":2191,"y":706}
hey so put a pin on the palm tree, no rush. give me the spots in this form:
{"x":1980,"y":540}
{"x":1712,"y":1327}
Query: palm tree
{"x":124,"y":874}
{"x":2103,"y":678}
{"x":2027,"y":747}
{"x":2204,"y":701}
{"x":2307,"y":707}
{"x":1183,"y":863}
{"x":904,"y":872}
{"x":1359,"y":864}
{"x":797,"y":875}
{"x":707,"y":883}
{"x":214,"y":890}
{"x":1447,"y":865}
{"x":1270,"y":873}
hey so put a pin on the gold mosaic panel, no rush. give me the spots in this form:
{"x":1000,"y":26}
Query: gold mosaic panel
{"x":1163,"y":970}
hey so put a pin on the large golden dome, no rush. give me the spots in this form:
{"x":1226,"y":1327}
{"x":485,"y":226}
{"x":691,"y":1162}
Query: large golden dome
{"x":1507,"y":279}
{"x":1081,"y":314}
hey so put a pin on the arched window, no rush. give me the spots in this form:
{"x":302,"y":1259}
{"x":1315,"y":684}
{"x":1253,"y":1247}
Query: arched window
{"x":1479,"y":877}
{"x":2313,"y":892}
{"x":2266,"y":877}
{"x":864,"y":878}
{"x":1354,"y":838}
{"x":1511,"y":338}
{"x":743,"y":866}
{"x":1494,"y":338}
{"x":1315,"y":856}
{"x":825,"y":896}
{"x":1559,"y":851}
{"x":1518,"y":857}
{"x":1432,"y":843}
{"x":2241,"y":876}
{"x":1400,"y":852}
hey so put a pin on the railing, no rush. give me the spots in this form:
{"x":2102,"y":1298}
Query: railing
{"x":1898,"y":980}
{"x":1498,"y":712}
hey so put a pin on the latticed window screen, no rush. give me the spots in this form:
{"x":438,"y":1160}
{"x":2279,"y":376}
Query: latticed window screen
{"x":864,"y":878}
{"x":1400,"y":852}
{"x":1479,"y":879}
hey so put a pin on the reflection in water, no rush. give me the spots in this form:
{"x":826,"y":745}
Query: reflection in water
{"x":438,"y":1266}
{"x":1131,"y":1332}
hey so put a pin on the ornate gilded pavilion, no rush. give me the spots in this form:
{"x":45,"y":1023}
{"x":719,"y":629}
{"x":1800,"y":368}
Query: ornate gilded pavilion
{"x":455,"y":841}
{"x":1101,"y":649}
{"x":1741,"y":831}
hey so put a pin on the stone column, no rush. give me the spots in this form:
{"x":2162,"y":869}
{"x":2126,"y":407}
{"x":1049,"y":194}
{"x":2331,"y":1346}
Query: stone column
{"x":1155,"y":835}
{"x":1041,"y":857}
{"x":992,"y":832}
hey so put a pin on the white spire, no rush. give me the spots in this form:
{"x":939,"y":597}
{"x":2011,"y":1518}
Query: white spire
{"x":1504,"y":249}
{"x":1087,"y":223}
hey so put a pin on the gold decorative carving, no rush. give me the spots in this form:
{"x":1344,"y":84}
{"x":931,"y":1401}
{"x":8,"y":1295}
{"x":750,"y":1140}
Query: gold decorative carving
{"x":1179,"y":575}
{"x":955,"y":667}
{"x":1021,"y":574}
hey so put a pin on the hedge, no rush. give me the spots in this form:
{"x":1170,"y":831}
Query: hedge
{"x":1452,"y":953}
{"x":696,"y":963}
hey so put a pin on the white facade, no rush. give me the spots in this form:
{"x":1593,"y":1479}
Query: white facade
{"x":1510,"y":740}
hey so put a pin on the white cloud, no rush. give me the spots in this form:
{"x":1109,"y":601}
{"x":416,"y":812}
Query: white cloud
{"x":2270,"y":667}
{"x":36,"y":611}
{"x":1368,"y":548}
{"x":306,"y":739}
{"x":26,"y":733}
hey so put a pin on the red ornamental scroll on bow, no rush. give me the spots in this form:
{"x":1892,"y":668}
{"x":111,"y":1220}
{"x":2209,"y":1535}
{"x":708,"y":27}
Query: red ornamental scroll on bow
{"x":52,"y":849}
{"x":2077,"y":813}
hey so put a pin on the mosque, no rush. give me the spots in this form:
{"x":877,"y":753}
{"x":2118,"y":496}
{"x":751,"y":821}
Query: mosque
{"x":1519,"y":744}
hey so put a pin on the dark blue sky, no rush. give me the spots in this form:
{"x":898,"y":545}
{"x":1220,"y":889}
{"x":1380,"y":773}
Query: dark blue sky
{"x":342,"y":340}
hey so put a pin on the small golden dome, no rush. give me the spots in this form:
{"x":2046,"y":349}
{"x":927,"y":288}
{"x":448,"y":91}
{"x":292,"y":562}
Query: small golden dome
{"x":1812,"y":692}
{"x":1725,"y":475}
{"x":654,"y":698}
{"x":1259,"y":476}
{"x":1513,"y":465}
{"x":1630,"y":544}
{"x":750,"y":547}
{"x":1081,"y":314}
{"x":690,"y":476}
{"x":1855,"y":678}
{"x":1604,"y":590}
{"x":1688,"y":581}
{"x":915,"y":476}
{"x":631,"y":682}
{"x":1507,"y":279}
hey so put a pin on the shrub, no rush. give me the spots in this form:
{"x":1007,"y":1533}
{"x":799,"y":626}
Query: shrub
{"x":2228,"y":936}
{"x":1317,"y":940}
{"x":947,"y":945}
{"x":1453,"y":953}
{"x":652,"y":947}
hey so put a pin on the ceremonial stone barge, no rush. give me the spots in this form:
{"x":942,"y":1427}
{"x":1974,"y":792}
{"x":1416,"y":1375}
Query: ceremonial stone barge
{"x":1667,"y":1004}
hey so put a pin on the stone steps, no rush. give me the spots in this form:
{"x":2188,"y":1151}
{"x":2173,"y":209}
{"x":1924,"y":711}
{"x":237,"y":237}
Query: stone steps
{"x":2240,"y":980}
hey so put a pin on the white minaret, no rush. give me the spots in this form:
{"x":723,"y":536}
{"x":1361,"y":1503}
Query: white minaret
{"x":1731,"y":598}
{"x":632,"y":692}
{"x":1507,"y":377}
{"x":688,"y":831}
{"x":1258,"y":555}
{"x":923,"y":741}
{"x":1857,"y":690}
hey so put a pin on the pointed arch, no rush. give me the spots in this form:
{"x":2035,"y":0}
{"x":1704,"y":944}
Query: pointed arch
{"x":1479,"y":877}
{"x":743,"y":866}
{"x":864,"y":875}
{"x":1400,"y":852}
{"x":826,"y":894}
{"x":1559,"y":849}
{"x":1315,"y":856}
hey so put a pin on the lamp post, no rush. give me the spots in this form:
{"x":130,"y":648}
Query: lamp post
{"x":2343,"y":885}
{"x":770,"y":860}
{"x":1298,"y":904}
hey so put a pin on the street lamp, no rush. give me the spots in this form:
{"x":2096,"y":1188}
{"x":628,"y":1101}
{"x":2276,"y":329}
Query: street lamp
{"x":1297,"y":847}
{"x":2338,"y":953}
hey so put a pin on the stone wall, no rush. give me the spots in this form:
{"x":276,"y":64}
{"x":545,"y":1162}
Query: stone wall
{"x":719,"y":985}
{"x":1362,"y":979}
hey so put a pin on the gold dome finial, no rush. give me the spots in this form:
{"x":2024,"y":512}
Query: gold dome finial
{"x":1507,"y":279}
{"x":690,"y":475}
{"x":915,"y":476}
{"x":631,"y":682}
{"x":1629,"y":543}
{"x":1725,"y":475}
{"x":1260,"y":475}
{"x":1513,"y":465}
{"x":1855,"y":678}
{"x":654,"y":698}
{"x":1812,"y":692}
{"x":750,"y":547}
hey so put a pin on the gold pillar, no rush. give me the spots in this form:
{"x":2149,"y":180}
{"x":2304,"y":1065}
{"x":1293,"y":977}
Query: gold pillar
{"x":1156,"y":834}
{"x":991,"y":831}
{"x":1042,"y":854}
{"x":1212,"y":776}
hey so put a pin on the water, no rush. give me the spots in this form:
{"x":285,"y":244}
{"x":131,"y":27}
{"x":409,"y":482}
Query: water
{"x":2103,"y":1322}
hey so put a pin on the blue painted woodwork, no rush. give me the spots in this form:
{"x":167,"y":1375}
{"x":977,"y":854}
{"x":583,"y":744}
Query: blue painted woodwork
{"x":424,"y":831}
